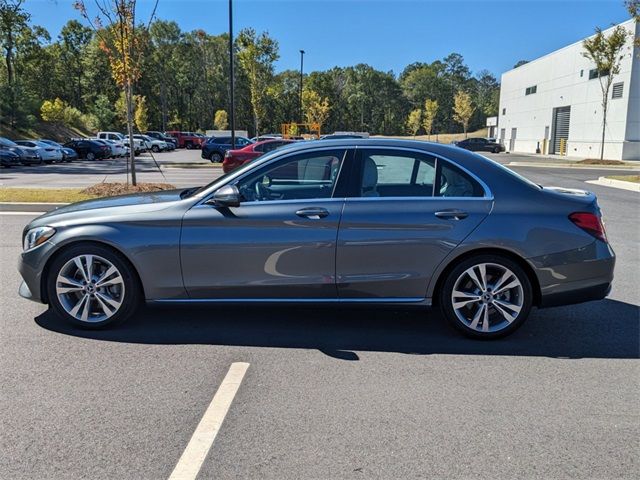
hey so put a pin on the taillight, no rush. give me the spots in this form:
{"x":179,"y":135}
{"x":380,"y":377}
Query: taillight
{"x":590,"y":223}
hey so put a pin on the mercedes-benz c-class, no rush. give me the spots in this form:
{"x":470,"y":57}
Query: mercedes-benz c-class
{"x":339,"y":221}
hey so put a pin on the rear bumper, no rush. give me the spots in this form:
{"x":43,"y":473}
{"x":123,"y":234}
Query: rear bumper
{"x":575,"y":276}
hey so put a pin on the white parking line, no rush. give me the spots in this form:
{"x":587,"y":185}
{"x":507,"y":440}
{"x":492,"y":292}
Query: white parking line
{"x":33,"y":214}
{"x":191,"y":460}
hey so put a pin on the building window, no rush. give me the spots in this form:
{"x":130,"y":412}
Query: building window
{"x":616,"y":91}
{"x":504,"y":111}
{"x":581,"y":73}
{"x":531,"y":90}
{"x":593,"y":73}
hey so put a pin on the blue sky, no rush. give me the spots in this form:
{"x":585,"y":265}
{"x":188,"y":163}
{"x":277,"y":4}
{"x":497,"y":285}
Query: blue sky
{"x":386,"y":34}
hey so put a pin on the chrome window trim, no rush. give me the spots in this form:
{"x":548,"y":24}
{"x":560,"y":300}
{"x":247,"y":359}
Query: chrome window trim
{"x":277,"y":158}
{"x":488,"y":194}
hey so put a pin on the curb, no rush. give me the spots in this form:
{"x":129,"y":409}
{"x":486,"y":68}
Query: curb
{"x":29,"y":207}
{"x":611,"y":182}
{"x":573,"y":165}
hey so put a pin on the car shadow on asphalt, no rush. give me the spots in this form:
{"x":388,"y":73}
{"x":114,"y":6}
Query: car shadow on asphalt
{"x":604,"y":329}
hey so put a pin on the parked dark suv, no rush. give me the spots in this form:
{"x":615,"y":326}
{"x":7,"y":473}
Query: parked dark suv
{"x":89,"y":149}
{"x":215,"y":148}
{"x":481,"y":145}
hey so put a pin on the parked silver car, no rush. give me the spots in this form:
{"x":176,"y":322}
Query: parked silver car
{"x":340,"y":221}
{"x":48,"y":153}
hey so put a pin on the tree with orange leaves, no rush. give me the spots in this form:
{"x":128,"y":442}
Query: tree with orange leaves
{"x":123,"y":43}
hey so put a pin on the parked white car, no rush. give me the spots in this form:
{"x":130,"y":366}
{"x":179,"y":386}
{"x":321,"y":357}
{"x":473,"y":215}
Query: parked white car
{"x":138,"y":145}
{"x":152,"y":144}
{"x":117,"y":147}
{"x":48,"y":153}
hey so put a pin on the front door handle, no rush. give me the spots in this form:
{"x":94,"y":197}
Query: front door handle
{"x":452,"y":214}
{"x":313,"y":213}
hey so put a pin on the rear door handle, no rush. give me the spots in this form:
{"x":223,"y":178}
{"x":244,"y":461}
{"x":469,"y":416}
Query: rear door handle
{"x":313,"y":213}
{"x":452,"y":214}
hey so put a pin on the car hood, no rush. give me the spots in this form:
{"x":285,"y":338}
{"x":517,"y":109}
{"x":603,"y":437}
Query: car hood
{"x":100,"y":208}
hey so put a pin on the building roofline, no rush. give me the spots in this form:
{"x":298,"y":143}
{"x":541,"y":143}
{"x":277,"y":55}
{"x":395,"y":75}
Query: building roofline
{"x":521,"y":67}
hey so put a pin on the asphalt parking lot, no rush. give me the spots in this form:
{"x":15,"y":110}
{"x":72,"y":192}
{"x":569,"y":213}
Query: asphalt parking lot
{"x":328,"y":393}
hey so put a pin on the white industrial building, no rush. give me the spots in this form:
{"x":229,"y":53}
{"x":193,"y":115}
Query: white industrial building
{"x":553,"y":105}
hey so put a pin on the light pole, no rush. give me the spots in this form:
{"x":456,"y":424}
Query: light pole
{"x":301,"y":66}
{"x":231,"y":78}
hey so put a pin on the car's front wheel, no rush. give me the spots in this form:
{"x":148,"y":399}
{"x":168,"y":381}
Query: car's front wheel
{"x":155,"y":149}
{"x":91,"y":156}
{"x":487,"y":296}
{"x":215,"y":157}
{"x":92,"y":286}
{"x":496,"y":150}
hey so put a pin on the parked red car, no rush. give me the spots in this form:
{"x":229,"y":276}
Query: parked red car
{"x":186,"y":140}
{"x":235,"y":158}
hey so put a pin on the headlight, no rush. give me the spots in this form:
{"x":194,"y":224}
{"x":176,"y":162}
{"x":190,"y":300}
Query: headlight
{"x":37,"y":236}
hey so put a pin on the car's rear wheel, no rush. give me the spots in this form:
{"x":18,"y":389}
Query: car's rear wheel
{"x":215,"y":157}
{"x":487,"y":296}
{"x":155,"y":149}
{"x":496,"y":150}
{"x":92,"y":286}
{"x":188,"y":145}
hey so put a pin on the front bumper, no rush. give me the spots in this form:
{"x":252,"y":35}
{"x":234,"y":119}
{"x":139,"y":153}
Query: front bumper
{"x":31,"y":266}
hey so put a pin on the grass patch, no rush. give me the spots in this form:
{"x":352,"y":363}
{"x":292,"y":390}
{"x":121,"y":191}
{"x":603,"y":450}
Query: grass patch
{"x":625,"y":178}
{"x":597,"y":161}
{"x":71,"y":195}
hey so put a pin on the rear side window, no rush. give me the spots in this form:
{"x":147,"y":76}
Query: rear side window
{"x":397,"y":173}
{"x":388,"y":173}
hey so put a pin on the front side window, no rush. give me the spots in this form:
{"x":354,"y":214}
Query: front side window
{"x":304,"y":176}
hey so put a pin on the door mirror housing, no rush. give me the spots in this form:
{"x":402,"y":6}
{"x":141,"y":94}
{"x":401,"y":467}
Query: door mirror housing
{"x":227,"y":196}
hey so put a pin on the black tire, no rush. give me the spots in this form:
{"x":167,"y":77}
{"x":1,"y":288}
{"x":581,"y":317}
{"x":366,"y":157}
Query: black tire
{"x":446,"y":303}
{"x":91,"y":156}
{"x":496,"y":150}
{"x":188,"y":145}
{"x":132,"y":291}
{"x":155,"y":148}
{"x":215,"y":157}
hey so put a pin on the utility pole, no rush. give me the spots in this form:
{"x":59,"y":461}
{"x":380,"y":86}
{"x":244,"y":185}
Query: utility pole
{"x":232,"y":108}
{"x":301,"y":66}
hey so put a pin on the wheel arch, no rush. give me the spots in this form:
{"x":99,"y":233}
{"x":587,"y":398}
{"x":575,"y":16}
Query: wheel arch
{"x":452,"y":262}
{"x":45,"y":271}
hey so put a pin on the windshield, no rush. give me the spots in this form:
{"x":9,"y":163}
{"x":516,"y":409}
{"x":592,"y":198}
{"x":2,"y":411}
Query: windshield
{"x":7,"y":143}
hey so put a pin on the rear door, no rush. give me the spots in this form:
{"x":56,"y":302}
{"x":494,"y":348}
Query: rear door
{"x":405,"y":212}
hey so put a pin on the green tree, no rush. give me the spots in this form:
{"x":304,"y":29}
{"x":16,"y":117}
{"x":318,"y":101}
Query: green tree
{"x":256,"y":55}
{"x":103,"y":112}
{"x":73,"y":41}
{"x":429,"y":115}
{"x":221,"y":120}
{"x":633,"y":7}
{"x":414,"y":121}
{"x":141,"y":115}
{"x":53,"y":111}
{"x":316,"y":109}
{"x":463,"y":109}
{"x":606,"y":53}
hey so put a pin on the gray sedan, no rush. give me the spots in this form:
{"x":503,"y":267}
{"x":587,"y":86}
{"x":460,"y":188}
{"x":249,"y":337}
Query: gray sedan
{"x":340,"y":222}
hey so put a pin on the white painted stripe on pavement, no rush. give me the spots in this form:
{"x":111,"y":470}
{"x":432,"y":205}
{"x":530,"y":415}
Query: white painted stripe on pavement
{"x":33,"y":214}
{"x":191,"y":460}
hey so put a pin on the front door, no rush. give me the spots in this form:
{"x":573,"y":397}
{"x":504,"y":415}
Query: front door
{"x":280,"y":243}
{"x":408,"y":211}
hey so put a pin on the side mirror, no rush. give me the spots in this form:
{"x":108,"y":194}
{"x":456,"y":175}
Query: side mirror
{"x":227,"y":196}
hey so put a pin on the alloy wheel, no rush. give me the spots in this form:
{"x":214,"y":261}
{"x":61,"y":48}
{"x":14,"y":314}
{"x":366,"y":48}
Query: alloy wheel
{"x":487,"y":297}
{"x":90,"y":288}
